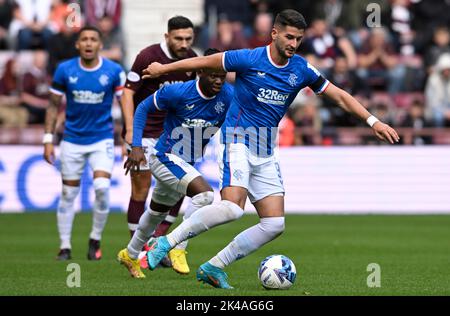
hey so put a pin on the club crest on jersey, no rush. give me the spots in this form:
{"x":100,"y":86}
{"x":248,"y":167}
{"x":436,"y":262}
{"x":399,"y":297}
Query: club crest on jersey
{"x":219,"y":107}
{"x":104,"y":80}
{"x":292,"y":80}
{"x":73,"y":80}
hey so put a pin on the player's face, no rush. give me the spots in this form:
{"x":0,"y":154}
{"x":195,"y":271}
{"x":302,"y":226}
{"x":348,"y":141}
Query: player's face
{"x":89,"y":44}
{"x":180,"y":41}
{"x":212,"y":82}
{"x":287,"y":40}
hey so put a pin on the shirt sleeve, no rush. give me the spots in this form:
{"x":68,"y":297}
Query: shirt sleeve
{"x":140,"y":117}
{"x":134,"y":80}
{"x":166,"y":97}
{"x":119,"y":81}
{"x":58,"y":86}
{"x":236,"y":60}
{"x":315,"y":80}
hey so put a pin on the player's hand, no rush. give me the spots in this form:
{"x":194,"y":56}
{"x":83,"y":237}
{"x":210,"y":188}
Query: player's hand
{"x":135,"y":159}
{"x":49,"y":153}
{"x":126,"y":146}
{"x":154,"y":70}
{"x":385,"y":133}
{"x":126,"y":149}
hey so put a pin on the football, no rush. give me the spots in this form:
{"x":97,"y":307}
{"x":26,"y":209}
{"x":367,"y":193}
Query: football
{"x":277,"y":272}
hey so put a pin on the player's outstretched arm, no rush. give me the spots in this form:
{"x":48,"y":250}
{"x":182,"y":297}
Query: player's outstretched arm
{"x":51,"y":116}
{"x":350,"y":104}
{"x":211,"y":62}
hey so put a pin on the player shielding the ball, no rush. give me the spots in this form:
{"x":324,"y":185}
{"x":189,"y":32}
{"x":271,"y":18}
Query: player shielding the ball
{"x":267,"y":81}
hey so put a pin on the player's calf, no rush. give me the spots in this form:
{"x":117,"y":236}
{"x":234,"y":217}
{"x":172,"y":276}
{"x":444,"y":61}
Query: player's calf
{"x":65,"y":215}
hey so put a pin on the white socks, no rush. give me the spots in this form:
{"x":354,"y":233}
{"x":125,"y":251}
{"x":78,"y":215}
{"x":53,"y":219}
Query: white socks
{"x":197,"y":202}
{"x":203,"y":219}
{"x":249,"y":240}
{"x":65,"y":214}
{"x":101,"y":207}
{"x":147,"y":224}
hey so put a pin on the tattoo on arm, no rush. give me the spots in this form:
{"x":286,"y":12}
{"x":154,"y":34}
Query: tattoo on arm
{"x":52,"y":113}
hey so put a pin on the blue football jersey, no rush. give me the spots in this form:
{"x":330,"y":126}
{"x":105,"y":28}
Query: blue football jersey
{"x":263,"y":93}
{"x":191,"y":121}
{"x":89,"y":93}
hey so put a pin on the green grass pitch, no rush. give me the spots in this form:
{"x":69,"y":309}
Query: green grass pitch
{"x":331,"y":254}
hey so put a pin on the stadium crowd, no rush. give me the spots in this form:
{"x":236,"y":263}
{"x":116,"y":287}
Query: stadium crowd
{"x":399,"y":68}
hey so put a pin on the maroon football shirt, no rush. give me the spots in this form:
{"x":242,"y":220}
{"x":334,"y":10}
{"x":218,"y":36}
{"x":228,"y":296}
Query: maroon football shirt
{"x":144,"y":88}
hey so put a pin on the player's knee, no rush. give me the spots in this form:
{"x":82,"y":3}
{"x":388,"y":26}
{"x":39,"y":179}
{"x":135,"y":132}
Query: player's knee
{"x":203,"y":199}
{"x":69,"y":193}
{"x":231,"y":210}
{"x":101,"y":187}
{"x":274,"y":226}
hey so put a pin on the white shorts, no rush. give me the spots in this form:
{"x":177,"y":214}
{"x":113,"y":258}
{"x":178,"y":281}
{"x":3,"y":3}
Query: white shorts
{"x":173,"y":176}
{"x":260,"y":176}
{"x":148,"y":145}
{"x":100,"y":156}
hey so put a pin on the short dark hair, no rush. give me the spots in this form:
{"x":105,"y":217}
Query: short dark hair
{"x":89,"y":28}
{"x":179,"y":22}
{"x":291,"y":17}
{"x":211,"y":51}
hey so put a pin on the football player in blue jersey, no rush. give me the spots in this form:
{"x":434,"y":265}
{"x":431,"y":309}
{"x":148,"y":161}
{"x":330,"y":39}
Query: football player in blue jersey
{"x":196,"y":109}
{"x":89,"y":83}
{"x":267,"y":80}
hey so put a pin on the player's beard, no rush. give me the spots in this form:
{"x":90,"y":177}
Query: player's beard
{"x":281,"y":50}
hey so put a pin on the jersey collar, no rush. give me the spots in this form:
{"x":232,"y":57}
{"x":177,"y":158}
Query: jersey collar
{"x":197,"y":85}
{"x":100,"y":63}
{"x":271,"y":60}
{"x":166,"y":50}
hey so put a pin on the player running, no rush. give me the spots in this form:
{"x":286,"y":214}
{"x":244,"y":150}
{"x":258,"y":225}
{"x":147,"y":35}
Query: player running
{"x":196,"y":109}
{"x":267,"y":80}
{"x":89,"y":83}
{"x":177,"y":45}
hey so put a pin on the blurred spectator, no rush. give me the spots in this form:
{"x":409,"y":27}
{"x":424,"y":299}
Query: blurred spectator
{"x":330,"y":11}
{"x":228,"y":37}
{"x":6,"y":16}
{"x":308,"y":122}
{"x":437,"y":92}
{"x":262,"y":30}
{"x":323,"y":46}
{"x":383,"y":111}
{"x":379,"y":64}
{"x":415,"y":118}
{"x":427,"y":15}
{"x":113,"y":42}
{"x":58,"y":15}
{"x":34,"y":93}
{"x":400,"y":25}
{"x":240,"y":11}
{"x":11,"y":114}
{"x":97,"y":9}
{"x":31,"y":18}
{"x":286,"y":132}
{"x":439,"y":46}
{"x":62,"y":46}
{"x":342,"y":76}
